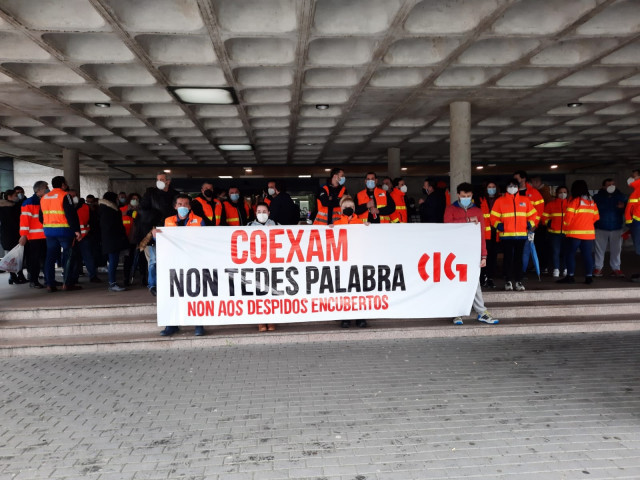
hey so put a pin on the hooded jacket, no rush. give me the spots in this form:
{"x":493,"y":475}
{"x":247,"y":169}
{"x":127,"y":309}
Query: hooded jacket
{"x":456,"y":213}
{"x":611,"y":216}
{"x":113,"y":235}
{"x":632,"y":212}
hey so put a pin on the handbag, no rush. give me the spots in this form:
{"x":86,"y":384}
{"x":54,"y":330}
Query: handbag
{"x":12,"y":261}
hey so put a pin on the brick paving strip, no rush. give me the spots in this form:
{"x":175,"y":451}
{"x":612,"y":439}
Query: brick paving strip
{"x":518,"y":407}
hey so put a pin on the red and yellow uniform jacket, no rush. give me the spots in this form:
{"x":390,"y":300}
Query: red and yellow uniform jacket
{"x":211,"y":212}
{"x":400,"y":215}
{"x":231,"y":212}
{"x":83,"y":217}
{"x":536,"y":200}
{"x":513,"y":215}
{"x":632,"y":211}
{"x":322,"y":217}
{"x":486,"y":214}
{"x":380,"y":197}
{"x":30,"y":224}
{"x":192,"y":221}
{"x":553,"y":215}
{"x":344,"y":220}
{"x":580,"y":217}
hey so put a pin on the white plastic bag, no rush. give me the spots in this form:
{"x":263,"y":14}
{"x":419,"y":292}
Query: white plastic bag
{"x":12,"y":261}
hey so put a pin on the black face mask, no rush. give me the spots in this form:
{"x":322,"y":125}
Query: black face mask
{"x":208,"y":193}
{"x":348,"y":211}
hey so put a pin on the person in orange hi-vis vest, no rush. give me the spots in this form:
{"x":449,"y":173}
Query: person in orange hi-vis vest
{"x":184,"y":218}
{"x":535,"y":197}
{"x":579,"y":229}
{"x":237,"y":211}
{"x":373,"y":204}
{"x":632,"y":214}
{"x":206,"y":206}
{"x":328,"y":198}
{"x":488,"y":272}
{"x":32,"y":231}
{"x":514,"y":217}
{"x":553,"y":218}
{"x":397,"y":189}
{"x":81,"y":251}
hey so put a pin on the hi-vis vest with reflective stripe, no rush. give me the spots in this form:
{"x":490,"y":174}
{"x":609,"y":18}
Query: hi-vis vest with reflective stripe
{"x":206,"y":208}
{"x":400,"y":215}
{"x":322,"y":217}
{"x":580,"y":217}
{"x":232,"y":214}
{"x":83,"y":217}
{"x":52,"y":205}
{"x":193,"y":221}
{"x":632,"y":210}
{"x":380,"y":197}
{"x":554,"y":212}
{"x":536,"y":200}
{"x":515,"y":212}
{"x":486,"y":213}
{"x":30,"y":222}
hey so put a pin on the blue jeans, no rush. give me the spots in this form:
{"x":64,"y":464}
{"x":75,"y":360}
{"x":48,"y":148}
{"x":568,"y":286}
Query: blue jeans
{"x":54,"y":244}
{"x":635,"y":235}
{"x":586,"y":248}
{"x":151,"y":281}
{"x":113,"y":265}
{"x":557,"y":250}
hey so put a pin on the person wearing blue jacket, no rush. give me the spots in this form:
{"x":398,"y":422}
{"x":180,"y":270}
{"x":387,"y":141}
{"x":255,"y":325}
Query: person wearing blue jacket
{"x":611,"y":203}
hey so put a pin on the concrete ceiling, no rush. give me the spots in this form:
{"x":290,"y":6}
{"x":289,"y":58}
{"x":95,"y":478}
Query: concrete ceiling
{"x":388,"y":69}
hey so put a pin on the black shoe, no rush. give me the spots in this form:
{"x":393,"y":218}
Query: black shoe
{"x":168,"y":331}
{"x":490,"y":284}
{"x":361,"y":323}
{"x":569,"y":279}
{"x":153,"y":291}
{"x":199,"y":331}
{"x":345,"y":323}
{"x":95,"y":280}
{"x":35,"y":285}
{"x":588,"y":280}
{"x":52,"y":289}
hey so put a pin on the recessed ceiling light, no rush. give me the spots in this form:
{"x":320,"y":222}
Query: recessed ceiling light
{"x":574,"y":104}
{"x":479,"y":167}
{"x":167,"y":171}
{"x":237,"y":147}
{"x":553,"y":166}
{"x":322,"y":106}
{"x":552,"y":145}
{"x":205,"y":95}
{"x":304,"y":176}
{"x":102,"y":104}
{"x":309,"y":144}
{"x":327,"y":169}
{"x":491,"y":165}
{"x":225,"y":176}
{"x":404,"y":169}
{"x":159,"y":144}
{"x":248,"y":170}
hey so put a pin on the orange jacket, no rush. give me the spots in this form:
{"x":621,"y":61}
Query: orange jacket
{"x":400,"y":215}
{"x":632,"y":211}
{"x":580,"y":217}
{"x":193,"y":221}
{"x":380,"y":197}
{"x":231,"y":212}
{"x":344,"y":220}
{"x":30,"y":222}
{"x":209,"y":211}
{"x":83,"y":217}
{"x":553,"y":215}
{"x":54,"y":219}
{"x":322,"y":217}
{"x":486,"y":214}
{"x":515,"y":213}
{"x":536,"y":200}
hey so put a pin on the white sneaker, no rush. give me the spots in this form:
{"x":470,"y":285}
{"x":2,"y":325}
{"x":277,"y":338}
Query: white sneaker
{"x":103,"y":270}
{"x":458,"y":321}
{"x":114,"y":287}
{"x":508,"y":286}
{"x":564,"y":272}
{"x":487,"y":318}
{"x":519,"y":287}
{"x":556,"y":273}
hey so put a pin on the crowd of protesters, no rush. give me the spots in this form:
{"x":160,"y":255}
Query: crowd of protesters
{"x":525,"y":220}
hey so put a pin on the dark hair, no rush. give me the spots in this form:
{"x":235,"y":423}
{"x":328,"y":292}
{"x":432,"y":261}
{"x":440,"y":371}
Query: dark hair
{"x":18,"y":187}
{"x":431,"y":181}
{"x":372,"y":173}
{"x":57,"y":182}
{"x":90,"y":197}
{"x":131,"y":195}
{"x":521,"y":174}
{"x":606,"y":180}
{"x":465,"y":187}
{"x":562,"y":186}
{"x":579,"y":188}
{"x":179,"y":196}
{"x":396,"y":181}
{"x":8,"y":193}
{"x":334,"y":171}
{"x":280,"y":186}
{"x":387,"y":178}
{"x":636,"y":170}
{"x":122,"y":192}
{"x":110,"y":196}
{"x":513,"y":181}
{"x":262,"y":204}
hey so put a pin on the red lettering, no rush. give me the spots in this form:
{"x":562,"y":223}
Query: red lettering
{"x":274,"y":245}
{"x":385,"y":302}
{"x":258,"y":236}
{"x":436,"y":267}
{"x":191,"y":309}
{"x":315,"y":247}
{"x":295,"y":246}
{"x":234,"y":246}
{"x":334,"y":251}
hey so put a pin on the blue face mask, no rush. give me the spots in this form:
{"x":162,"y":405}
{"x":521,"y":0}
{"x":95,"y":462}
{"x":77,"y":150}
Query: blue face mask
{"x":371,"y":184}
{"x":234,"y":197}
{"x":465,"y":202}
{"x":183,"y":211}
{"x":341,"y":180}
{"x":491,"y":191}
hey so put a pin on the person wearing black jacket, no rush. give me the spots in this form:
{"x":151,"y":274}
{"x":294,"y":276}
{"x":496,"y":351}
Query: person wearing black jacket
{"x":328,"y":198}
{"x":10,"y":229}
{"x":207,"y":207}
{"x":114,"y":237}
{"x":155,"y":206}
{"x":432,"y":205}
{"x":282,"y":209}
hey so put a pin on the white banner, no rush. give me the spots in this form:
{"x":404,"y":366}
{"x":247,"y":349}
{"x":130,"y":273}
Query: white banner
{"x":280,"y":274}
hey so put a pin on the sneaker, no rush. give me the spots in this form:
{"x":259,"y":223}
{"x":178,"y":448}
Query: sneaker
{"x":361,"y":323}
{"x":556,"y":273}
{"x":519,"y":287}
{"x":114,"y":287}
{"x":545,"y":271}
{"x":199,"y":331}
{"x":168,"y":331}
{"x":103,"y":270}
{"x":490,"y":283}
{"x":508,"y":287}
{"x":588,"y":280}
{"x":487,"y":318}
{"x":597,"y":272}
{"x":35,"y":285}
{"x":617,"y":273}
{"x":345,"y":324}
{"x":458,"y":321}
{"x":564,"y":272}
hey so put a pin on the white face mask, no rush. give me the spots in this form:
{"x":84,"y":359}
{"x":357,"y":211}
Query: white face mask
{"x":134,"y":202}
{"x":403,"y":189}
{"x":512,"y":190}
{"x":385,"y":187}
{"x":271,"y":191}
{"x":160,"y":184}
{"x":75,"y":200}
{"x":611,"y":188}
{"x":262,"y":217}
{"x":630,"y":180}
{"x":562,"y":196}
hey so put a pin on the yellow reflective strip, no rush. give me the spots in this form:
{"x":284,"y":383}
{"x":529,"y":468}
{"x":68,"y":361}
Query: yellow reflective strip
{"x":517,"y":214}
{"x":60,"y":212}
{"x":634,"y":200}
{"x":56,"y":225}
{"x":537,"y":202}
{"x":585,"y":210}
{"x":514,"y":234}
{"x":579,"y":232}
{"x":401,"y":208}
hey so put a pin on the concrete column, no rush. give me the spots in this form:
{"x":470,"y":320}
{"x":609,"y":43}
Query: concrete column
{"x":71,"y":167}
{"x":459,"y":145}
{"x":393,"y":162}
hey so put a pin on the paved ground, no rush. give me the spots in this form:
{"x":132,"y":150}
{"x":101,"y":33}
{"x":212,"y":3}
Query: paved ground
{"x":552,"y":407}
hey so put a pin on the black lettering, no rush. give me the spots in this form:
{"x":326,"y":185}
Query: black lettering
{"x":276,"y":281}
{"x":232,"y":286}
{"x":398,"y":278}
{"x":177,"y":282}
{"x":210,"y":282}
{"x":293,"y":287}
{"x":368,"y":278}
{"x":262,"y":281}
{"x":193,"y":282}
{"x":383,"y":278}
{"x":326,"y":282}
{"x":354,"y":279}
{"x":312,"y":277}
{"x":338,"y":288}
{"x":244,"y":282}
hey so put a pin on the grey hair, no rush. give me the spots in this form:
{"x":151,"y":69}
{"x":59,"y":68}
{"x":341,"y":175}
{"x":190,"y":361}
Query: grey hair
{"x":39,"y":185}
{"x":167,"y":176}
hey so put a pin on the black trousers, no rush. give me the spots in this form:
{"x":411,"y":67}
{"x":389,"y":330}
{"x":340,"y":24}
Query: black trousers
{"x":512,"y":266}
{"x":36,"y":256}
